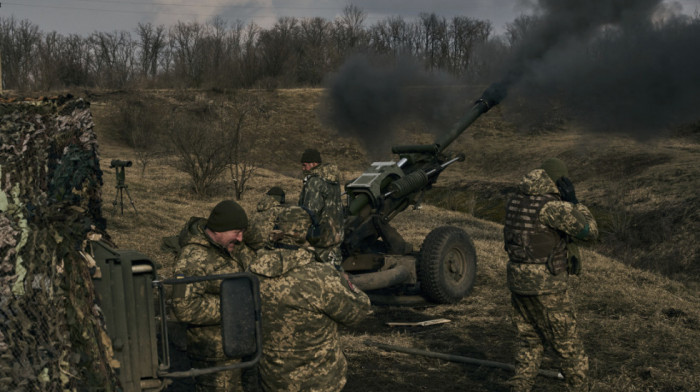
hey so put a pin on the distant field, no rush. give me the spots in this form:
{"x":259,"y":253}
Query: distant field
{"x":641,"y":329}
{"x":643,"y":192}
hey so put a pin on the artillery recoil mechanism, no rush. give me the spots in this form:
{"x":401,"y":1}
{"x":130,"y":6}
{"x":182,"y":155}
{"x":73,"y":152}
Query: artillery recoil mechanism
{"x":376,"y":255}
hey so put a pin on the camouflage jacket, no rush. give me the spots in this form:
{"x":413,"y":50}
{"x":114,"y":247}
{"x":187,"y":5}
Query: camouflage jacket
{"x":198,"y":304}
{"x":567,"y":219}
{"x":321,"y":195}
{"x":264,"y":218}
{"x":302,"y":303}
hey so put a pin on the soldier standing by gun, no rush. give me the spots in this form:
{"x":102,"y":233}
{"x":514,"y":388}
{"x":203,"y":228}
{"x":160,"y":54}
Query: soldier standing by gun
{"x":210,"y":246}
{"x":541,"y":219}
{"x":303,"y":302}
{"x":320,"y":195}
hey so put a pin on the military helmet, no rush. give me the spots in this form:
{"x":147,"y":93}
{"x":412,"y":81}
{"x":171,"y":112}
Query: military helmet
{"x":555,"y":168}
{"x":278,"y":193}
{"x":294,"y":221}
{"x":311,"y":155}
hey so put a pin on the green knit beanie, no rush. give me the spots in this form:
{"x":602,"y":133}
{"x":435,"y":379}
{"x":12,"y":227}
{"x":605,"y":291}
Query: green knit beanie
{"x":555,"y":168}
{"x":311,"y":155}
{"x":227,"y":215}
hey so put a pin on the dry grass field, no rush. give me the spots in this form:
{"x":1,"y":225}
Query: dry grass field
{"x":639,"y":311}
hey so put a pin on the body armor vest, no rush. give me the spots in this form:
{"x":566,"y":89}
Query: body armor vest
{"x":527,"y":240}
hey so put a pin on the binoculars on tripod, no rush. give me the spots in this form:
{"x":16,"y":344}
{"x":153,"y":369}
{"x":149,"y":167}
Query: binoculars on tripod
{"x":119,"y":163}
{"x":119,"y":167}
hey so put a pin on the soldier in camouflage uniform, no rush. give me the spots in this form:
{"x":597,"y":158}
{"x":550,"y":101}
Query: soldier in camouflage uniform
{"x":303,"y":302}
{"x":269,"y":206}
{"x":320,"y":195}
{"x":210,"y":247}
{"x":542,"y":219}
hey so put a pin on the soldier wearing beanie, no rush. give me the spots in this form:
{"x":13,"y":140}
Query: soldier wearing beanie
{"x":542,"y":220}
{"x":209,"y":247}
{"x":320,"y":194}
{"x":303,"y":302}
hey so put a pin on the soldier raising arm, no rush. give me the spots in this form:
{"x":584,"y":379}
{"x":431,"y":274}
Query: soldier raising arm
{"x":542,"y":218}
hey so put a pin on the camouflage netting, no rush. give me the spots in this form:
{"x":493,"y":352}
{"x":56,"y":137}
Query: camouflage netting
{"x":52,"y":336}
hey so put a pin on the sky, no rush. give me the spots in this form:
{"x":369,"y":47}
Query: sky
{"x":84,"y":17}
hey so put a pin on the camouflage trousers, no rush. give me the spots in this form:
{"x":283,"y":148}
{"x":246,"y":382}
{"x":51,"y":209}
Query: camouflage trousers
{"x":547,"y":319}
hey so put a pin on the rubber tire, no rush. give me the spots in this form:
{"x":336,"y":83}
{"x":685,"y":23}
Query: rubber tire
{"x":447,"y":265}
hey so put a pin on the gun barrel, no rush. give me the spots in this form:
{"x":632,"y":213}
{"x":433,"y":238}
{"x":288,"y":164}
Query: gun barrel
{"x":479,"y":108}
{"x":490,"y":98}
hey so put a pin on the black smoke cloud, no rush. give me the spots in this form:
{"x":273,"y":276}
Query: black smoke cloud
{"x":627,"y":66}
{"x":371,"y":99}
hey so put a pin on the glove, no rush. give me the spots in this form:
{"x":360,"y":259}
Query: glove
{"x":566,"y":189}
{"x":573,"y":266}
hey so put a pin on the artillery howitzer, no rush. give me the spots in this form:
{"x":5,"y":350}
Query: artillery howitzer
{"x":376,"y":255}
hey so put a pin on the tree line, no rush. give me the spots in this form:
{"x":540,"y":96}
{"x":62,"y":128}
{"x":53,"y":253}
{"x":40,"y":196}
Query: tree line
{"x":293,"y":52}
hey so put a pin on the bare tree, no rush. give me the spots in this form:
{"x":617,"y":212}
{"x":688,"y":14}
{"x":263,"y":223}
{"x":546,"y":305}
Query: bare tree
{"x":277,"y":48}
{"x":466,"y":34}
{"x":152,"y":41}
{"x":214,"y":51}
{"x":242,"y":120}
{"x":314,"y":57}
{"x":202,"y":145}
{"x":393,"y":36}
{"x":63,"y":62}
{"x":351,"y":26}
{"x":187,"y":39}
{"x":250,"y":61}
{"x":519,"y":28}
{"x":139,"y":123}
{"x":435,"y":41}
{"x":292,"y":52}
{"x":18,"y":45}
{"x":215,"y":137}
{"x":232,"y":73}
{"x":114,"y":58}
{"x":47,"y":72}
{"x":348,"y":34}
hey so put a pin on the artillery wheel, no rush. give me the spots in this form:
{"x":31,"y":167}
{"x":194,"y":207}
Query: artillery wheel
{"x":447,"y":265}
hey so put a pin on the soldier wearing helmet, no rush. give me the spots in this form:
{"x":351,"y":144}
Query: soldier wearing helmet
{"x":542,"y":220}
{"x":303,"y":302}
{"x":320,"y":194}
{"x":268,"y":207}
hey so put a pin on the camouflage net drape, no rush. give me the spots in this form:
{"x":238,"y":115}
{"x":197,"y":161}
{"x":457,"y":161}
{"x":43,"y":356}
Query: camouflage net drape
{"x":52,"y":336}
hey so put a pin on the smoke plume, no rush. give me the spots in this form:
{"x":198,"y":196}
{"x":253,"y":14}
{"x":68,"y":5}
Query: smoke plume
{"x":626,"y":66}
{"x":371,"y":101}
{"x":629,"y":66}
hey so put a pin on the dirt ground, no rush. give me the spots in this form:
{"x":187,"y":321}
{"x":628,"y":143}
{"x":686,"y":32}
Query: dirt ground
{"x":374,"y":368}
{"x":641,"y":330}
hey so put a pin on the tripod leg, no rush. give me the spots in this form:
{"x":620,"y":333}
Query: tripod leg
{"x":130,"y":199}
{"x":114,"y":202}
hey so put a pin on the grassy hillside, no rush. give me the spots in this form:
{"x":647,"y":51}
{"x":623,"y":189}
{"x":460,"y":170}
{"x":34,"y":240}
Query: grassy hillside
{"x":642,"y":191}
{"x":641,"y":329}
